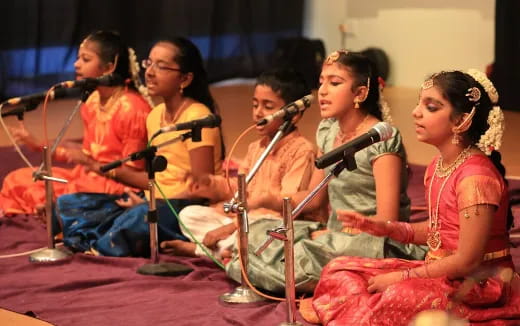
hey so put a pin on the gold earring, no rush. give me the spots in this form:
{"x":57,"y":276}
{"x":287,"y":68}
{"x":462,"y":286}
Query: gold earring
{"x":456,"y":139}
{"x":356,"y":103}
{"x":181,"y":89}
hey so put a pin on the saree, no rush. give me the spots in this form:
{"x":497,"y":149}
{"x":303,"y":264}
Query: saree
{"x":94,"y":222}
{"x":351,"y":190}
{"x":108,"y":135}
{"x":341,"y":296}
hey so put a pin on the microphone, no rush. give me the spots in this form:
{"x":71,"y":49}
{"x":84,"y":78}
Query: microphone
{"x":211,"y":121}
{"x":288,"y":110}
{"x":380,"y":132}
{"x":105,"y":80}
{"x":38,"y":97}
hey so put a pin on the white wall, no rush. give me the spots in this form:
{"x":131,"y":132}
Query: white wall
{"x":420,"y":37}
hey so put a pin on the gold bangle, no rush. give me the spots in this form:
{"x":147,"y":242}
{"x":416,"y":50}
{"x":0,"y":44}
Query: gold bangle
{"x":112,"y":174}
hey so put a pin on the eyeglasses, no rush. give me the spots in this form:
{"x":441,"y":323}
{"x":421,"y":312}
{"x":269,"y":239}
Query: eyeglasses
{"x":147,"y":63}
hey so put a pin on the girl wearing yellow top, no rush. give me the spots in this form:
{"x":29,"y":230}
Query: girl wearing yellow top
{"x":115,"y":226}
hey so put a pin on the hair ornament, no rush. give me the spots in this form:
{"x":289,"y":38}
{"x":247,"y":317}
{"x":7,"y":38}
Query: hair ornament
{"x":383,"y":104}
{"x":134,"y":72}
{"x":473,"y":94}
{"x":484,"y":81}
{"x":492,"y":139}
{"x":334,"y":56}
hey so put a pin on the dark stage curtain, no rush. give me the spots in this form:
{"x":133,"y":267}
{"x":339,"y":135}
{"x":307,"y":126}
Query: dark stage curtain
{"x":237,"y":38}
{"x":506,"y":69}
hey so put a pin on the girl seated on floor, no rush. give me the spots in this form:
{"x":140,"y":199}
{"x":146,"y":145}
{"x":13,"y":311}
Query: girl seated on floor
{"x":468,"y":270}
{"x":115,"y":225}
{"x":286,"y":171}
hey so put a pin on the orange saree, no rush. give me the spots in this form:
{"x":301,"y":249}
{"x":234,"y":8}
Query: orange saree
{"x":109,"y":133}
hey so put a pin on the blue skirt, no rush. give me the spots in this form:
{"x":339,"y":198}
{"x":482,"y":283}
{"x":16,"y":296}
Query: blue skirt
{"x":95,"y":221}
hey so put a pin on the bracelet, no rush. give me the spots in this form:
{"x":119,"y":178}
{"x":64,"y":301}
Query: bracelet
{"x":409,"y":232}
{"x":111,"y":174}
{"x":405,"y":274}
{"x":400,"y":231}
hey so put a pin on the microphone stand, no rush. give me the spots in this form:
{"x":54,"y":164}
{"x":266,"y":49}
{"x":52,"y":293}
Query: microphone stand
{"x":86,"y":93}
{"x":348,"y":162}
{"x":287,"y":125}
{"x":287,"y":236}
{"x":242,"y":293}
{"x":44,"y":172}
{"x":51,"y":253}
{"x":156,"y":163}
{"x":285,"y":232}
{"x":238,"y":204}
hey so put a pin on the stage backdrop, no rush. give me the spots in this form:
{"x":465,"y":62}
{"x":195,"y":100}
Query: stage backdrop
{"x":237,"y":38}
{"x":506,"y":70}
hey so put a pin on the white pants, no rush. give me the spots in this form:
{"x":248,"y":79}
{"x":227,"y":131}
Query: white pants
{"x":200,"y":220}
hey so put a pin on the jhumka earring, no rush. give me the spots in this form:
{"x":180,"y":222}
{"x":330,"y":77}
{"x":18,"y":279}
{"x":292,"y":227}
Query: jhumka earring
{"x":356,"y":103}
{"x":456,"y":139}
{"x":181,"y":89}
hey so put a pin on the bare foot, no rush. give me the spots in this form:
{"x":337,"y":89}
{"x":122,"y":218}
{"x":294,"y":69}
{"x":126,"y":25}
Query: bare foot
{"x":178,"y":248}
{"x":226,"y":254}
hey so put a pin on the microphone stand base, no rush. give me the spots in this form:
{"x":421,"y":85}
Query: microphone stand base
{"x":241,"y":294}
{"x":50,"y":255}
{"x":164,"y":269}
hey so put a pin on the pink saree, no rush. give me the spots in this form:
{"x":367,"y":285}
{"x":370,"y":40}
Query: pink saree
{"x":341,"y":296}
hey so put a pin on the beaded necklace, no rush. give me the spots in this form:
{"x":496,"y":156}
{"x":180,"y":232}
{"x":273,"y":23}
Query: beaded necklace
{"x":104,"y":114}
{"x":434,"y":236}
{"x":342,"y":138}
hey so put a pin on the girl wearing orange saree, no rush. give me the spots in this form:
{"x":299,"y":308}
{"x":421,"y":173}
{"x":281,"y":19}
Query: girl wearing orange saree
{"x":114,"y":122}
{"x":468,"y":270}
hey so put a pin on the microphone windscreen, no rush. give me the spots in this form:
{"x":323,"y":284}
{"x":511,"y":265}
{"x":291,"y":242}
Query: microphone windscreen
{"x":217,"y":120}
{"x":384,"y":129}
{"x":308,"y":99}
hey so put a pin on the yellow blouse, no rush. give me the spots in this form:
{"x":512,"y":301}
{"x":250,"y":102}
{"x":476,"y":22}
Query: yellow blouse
{"x":173,"y":180}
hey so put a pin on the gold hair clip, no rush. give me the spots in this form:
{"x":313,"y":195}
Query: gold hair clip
{"x":473,"y":94}
{"x":427,"y":84}
{"x":334,"y":56}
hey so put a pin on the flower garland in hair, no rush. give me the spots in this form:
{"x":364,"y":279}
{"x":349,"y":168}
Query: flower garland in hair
{"x":134,"y":72}
{"x":492,"y":138}
{"x":488,"y":86}
{"x":383,"y":104}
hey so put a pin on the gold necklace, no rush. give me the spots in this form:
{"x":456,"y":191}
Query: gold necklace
{"x":442,"y":171}
{"x":434,"y":236}
{"x":164,"y":120}
{"x":104,"y":114}
{"x":342,"y":137}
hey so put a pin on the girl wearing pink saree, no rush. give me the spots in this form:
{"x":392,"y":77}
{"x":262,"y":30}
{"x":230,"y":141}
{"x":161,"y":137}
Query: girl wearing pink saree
{"x":468,"y":270}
